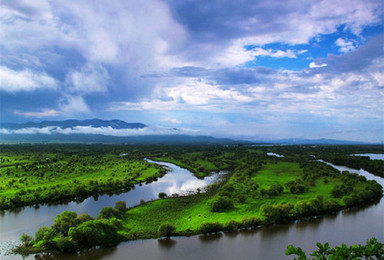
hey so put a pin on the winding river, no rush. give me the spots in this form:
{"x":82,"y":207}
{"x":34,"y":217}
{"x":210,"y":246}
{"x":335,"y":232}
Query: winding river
{"x":349,"y":226}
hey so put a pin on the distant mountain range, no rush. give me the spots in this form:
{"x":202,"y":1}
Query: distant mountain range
{"x":118,"y":131}
{"x":115,"y":124}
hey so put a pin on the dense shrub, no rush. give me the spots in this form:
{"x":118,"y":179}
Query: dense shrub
{"x":208,"y":228}
{"x":221,"y":204}
{"x":121,"y":206}
{"x":276,"y":213}
{"x":65,"y":244}
{"x":98,"y":232}
{"x":64,"y":222}
{"x":231,"y":225}
{"x":166,"y":230}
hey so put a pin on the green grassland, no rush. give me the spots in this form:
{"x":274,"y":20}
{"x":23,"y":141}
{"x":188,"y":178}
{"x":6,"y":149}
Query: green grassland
{"x":258,"y":190}
{"x":187,"y":214}
{"x":36,"y":176}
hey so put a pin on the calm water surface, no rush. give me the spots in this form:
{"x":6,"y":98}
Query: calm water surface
{"x":348,"y":226}
{"x":372,"y":156}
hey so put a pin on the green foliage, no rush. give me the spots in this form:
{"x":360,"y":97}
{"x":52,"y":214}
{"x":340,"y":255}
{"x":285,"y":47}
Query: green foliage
{"x":221,"y":204}
{"x":211,"y":227}
{"x":276,"y":213}
{"x":372,"y":250}
{"x":166,"y":230}
{"x":107,"y":212}
{"x":97,"y":232}
{"x":162,"y":195}
{"x":65,"y":244}
{"x":296,"y":187}
{"x":64,"y":222}
{"x":44,"y":234}
{"x":231,"y":226}
{"x":26,"y":239}
{"x":83,"y":218}
{"x":121,"y":206}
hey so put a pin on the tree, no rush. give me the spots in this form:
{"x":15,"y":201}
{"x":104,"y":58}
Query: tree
{"x":65,"y":244}
{"x":162,"y":195}
{"x":83,"y":218}
{"x":64,"y":222}
{"x":96,"y":232}
{"x":276,"y":213}
{"x":106,"y":212}
{"x":26,"y":239}
{"x":221,"y":204}
{"x":121,"y":206}
{"x":44,"y":234}
{"x":166,"y":230}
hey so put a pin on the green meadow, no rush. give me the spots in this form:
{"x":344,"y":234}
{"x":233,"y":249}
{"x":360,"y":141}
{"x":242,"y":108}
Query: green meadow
{"x":47,"y":175}
{"x":257,"y":190}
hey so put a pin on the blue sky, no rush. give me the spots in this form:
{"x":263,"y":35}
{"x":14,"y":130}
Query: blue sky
{"x":249,"y":69}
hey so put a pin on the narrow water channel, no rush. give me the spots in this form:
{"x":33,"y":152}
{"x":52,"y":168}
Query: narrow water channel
{"x":349,"y":226}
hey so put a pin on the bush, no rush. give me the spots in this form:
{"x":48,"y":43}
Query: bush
{"x":106,"y":212}
{"x":98,"y":232}
{"x":83,"y":218}
{"x":65,"y":244}
{"x":213,"y":227}
{"x":231,"y":225}
{"x":221,"y":204}
{"x":26,"y":239}
{"x":241,"y":199}
{"x":166,"y":230}
{"x":162,"y":195}
{"x":331,"y":205}
{"x":44,"y":234}
{"x":121,"y":206}
{"x":64,"y":222}
{"x":276,"y":213}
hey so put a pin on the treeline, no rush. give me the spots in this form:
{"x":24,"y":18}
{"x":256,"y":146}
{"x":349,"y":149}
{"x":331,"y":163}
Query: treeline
{"x":375,"y":167}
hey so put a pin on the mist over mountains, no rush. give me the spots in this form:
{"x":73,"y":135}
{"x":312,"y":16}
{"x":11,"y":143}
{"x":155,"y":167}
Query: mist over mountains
{"x":118,"y":131}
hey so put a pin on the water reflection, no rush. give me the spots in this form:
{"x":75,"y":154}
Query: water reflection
{"x":210,"y":238}
{"x":166,"y":243}
{"x":372,"y":156}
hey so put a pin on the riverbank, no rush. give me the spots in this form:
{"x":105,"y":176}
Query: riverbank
{"x":264,"y":202}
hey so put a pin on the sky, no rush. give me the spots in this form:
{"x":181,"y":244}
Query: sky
{"x":239,"y":69}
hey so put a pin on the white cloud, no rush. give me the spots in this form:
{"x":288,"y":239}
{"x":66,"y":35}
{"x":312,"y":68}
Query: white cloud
{"x":236,"y":54}
{"x":190,"y":93}
{"x":172,"y":120}
{"x":345,"y":46}
{"x":43,"y":113}
{"x":49,"y":130}
{"x":72,"y":105}
{"x":24,"y":80}
{"x":87,"y":80}
{"x":314,"y":65}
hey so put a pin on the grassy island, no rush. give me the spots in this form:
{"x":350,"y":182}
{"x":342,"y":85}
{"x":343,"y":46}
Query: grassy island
{"x":258,"y":190}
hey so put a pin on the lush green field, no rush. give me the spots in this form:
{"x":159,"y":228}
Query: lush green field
{"x":189,"y":213}
{"x":49,"y":175}
{"x":258,"y":190}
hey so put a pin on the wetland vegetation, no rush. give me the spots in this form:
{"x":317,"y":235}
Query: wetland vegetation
{"x":258,"y":190}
